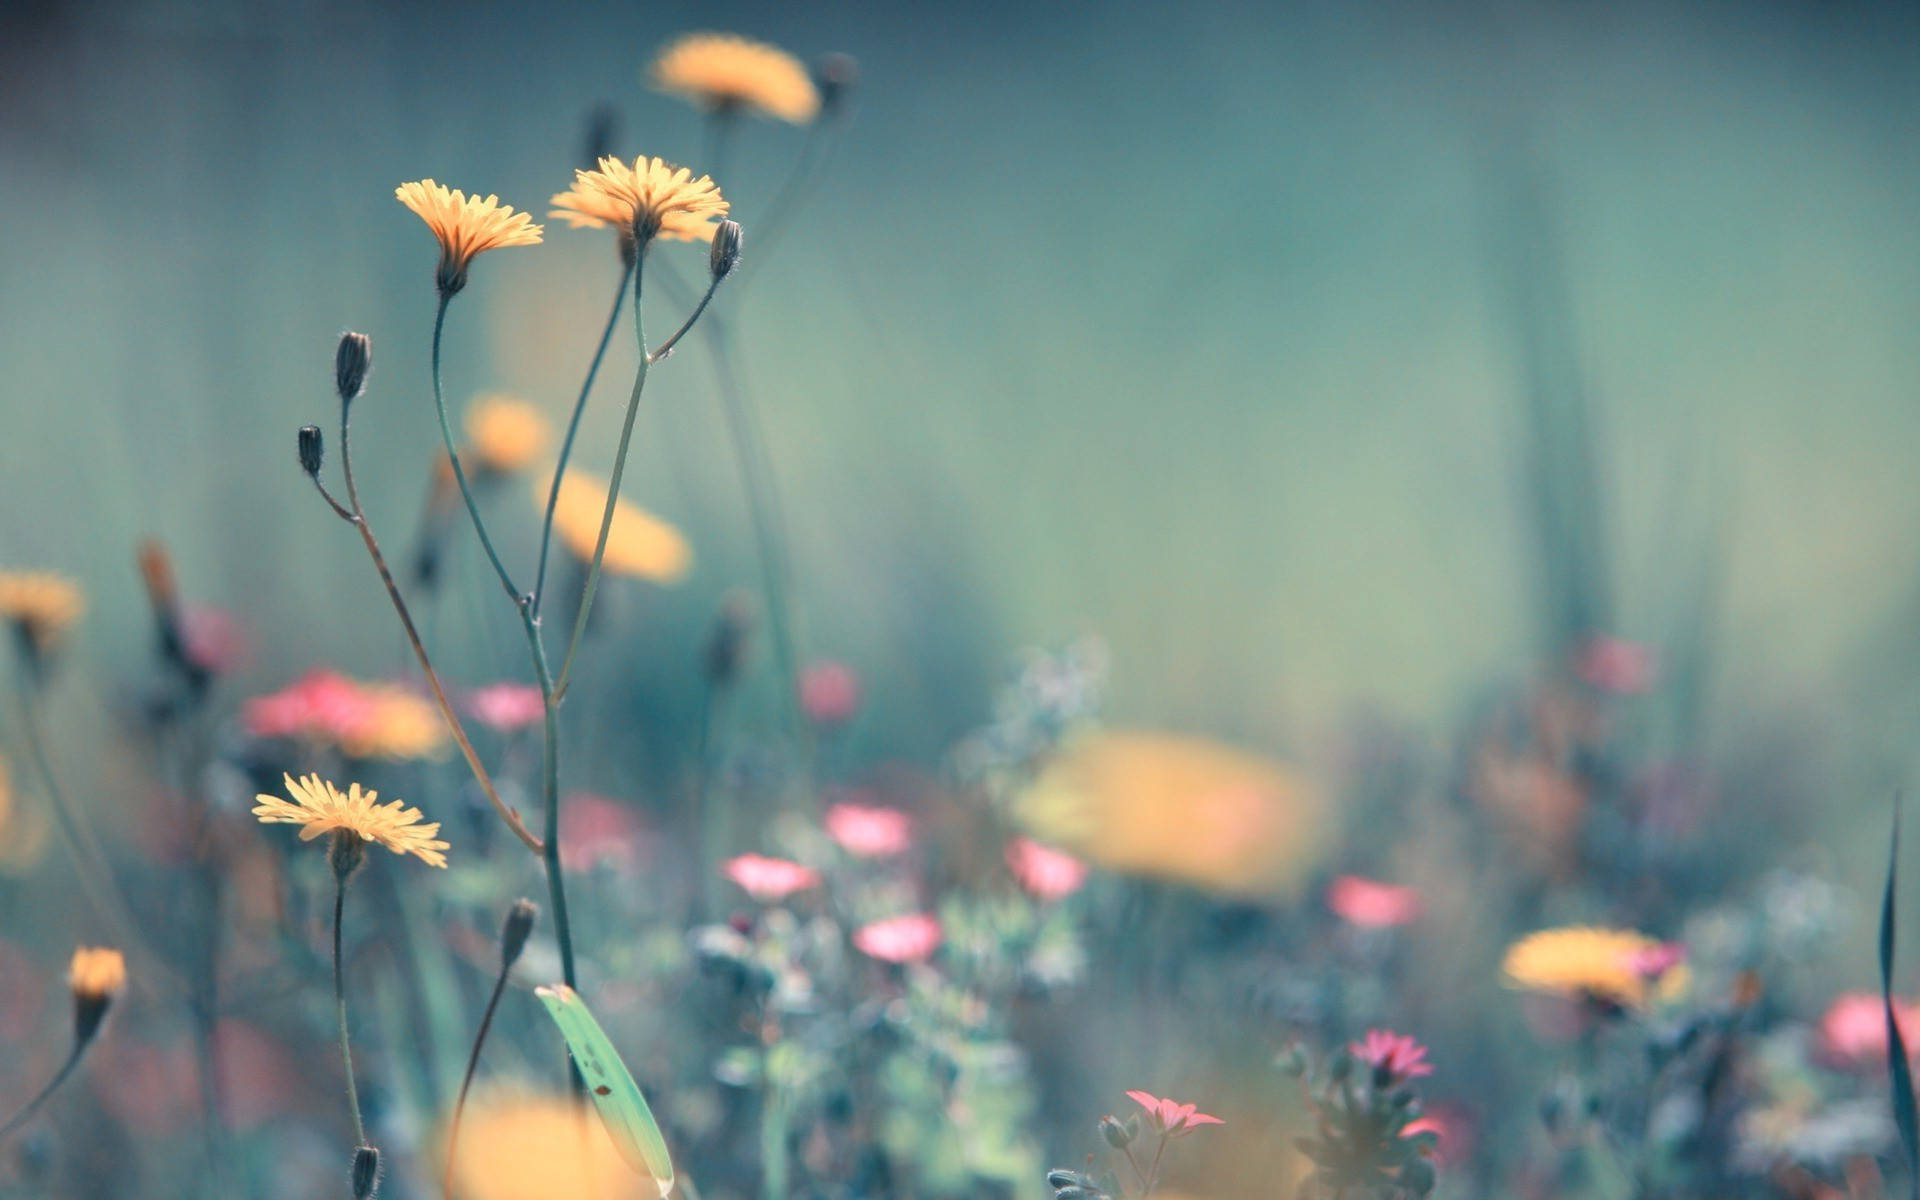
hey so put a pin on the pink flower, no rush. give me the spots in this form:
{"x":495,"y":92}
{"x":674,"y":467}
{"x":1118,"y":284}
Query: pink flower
{"x":1616,"y":665}
{"x":1853,"y":1031}
{"x":829,"y":692}
{"x":1399,"y":1055}
{"x":319,"y":704}
{"x":769,"y":879}
{"x":1371,"y":904}
{"x":215,"y":640}
{"x":505,"y":707}
{"x":1450,"y":1131}
{"x":595,"y":830}
{"x":1655,"y":961}
{"x":912,"y":938}
{"x":1045,"y":872}
{"x":869,"y":832}
{"x":1169,"y":1118}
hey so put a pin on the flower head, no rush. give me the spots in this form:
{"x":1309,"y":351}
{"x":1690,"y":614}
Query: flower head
{"x":40,"y":604}
{"x":506,"y":707}
{"x":1170,"y":1118}
{"x":521,"y":1146}
{"x":1371,"y":904}
{"x":505,"y":433}
{"x":911,"y":938}
{"x":645,"y":199}
{"x":466,"y":226}
{"x":638,"y":544}
{"x":721,"y":70}
{"x":96,"y":973}
{"x":1581,"y":961}
{"x":318,"y":807}
{"x":1046,"y":873}
{"x":866,"y":831}
{"x":769,"y":879}
{"x":829,"y":693}
{"x":1394,"y":1055}
{"x":1853,"y":1030}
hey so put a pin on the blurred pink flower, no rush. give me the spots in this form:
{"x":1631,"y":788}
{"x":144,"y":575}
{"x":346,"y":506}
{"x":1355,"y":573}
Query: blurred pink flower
{"x":1616,"y":665}
{"x":1656,"y":960}
{"x":1045,"y":872}
{"x":595,"y":830}
{"x":215,"y":640}
{"x":769,"y":879}
{"x":829,"y":692}
{"x":912,"y":938}
{"x":869,"y":832}
{"x":1400,"y":1055}
{"x":1169,"y":1118}
{"x":319,"y":704}
{"x":1372,"y":904}
{"x":1853,"y":1030}
{"x":1449,"y":1132}
{"x":505,"y":707}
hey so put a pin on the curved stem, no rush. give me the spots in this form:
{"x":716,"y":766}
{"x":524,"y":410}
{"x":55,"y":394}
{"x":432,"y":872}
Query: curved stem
{"x":340,"y":1002}
{"x":53,"y":1085}
{"x":573,"y":428}
{"x":667,"y":346}
{"x":466,"y":1083}
{"x":453,"y":454}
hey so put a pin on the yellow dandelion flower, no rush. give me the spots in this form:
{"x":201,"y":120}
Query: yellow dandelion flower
{"x":1614,"y":965}
{"x":505,"y":433}
{"x":518,"y":1145}
{"x":718,"y":71}
{"x":466,"y":226}
{"x":397,"y":724}
{"x":649,"y":198}
{"x":1181,"y":808}
{"x":318,"y":807}
{"x":96,"y":973}
{"x":639,"y":544}
{"x":42,"y":604}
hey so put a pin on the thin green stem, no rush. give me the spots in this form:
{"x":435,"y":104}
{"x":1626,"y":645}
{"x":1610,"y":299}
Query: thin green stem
{"x":53,"y":1085}
{"x":466,"y":1083}
{"x":453,"y":454}
{"x":550,"y":846}
{"x":573,"y":429}
{"x":340,"y":1002}
{"x":667,"y":346}
{"x":1153,"y":1172}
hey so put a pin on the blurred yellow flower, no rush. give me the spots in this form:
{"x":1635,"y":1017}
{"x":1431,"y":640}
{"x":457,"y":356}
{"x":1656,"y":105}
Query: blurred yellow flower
{"x":1178,"y":808}
{"x":23,"y":833}
{"x":639,"y":544}
{"x":42,"y":604}
{"x":96,"y":973}
{"x":650,"y":198}
{"x":723,"y":71}
{"x":466,"y":226}
{"x":318,"y":807}
{"x":505,"y":433}
{"x":1615,"y":965}
{"x":523,"y":1146}
{"x":397,"y":724}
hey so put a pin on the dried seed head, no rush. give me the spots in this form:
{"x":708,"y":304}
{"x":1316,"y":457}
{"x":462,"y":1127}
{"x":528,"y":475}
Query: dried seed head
{"x":366,"y":1172}
{"x":313,"y":449}
{"x":350,"y":362}
{"x":513,"y":934}
{"x":725,"y":254}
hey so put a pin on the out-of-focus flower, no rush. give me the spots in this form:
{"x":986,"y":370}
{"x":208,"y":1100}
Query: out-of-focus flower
{"x":1046,"y":873}
{"x":1611,"y":664}
{"x":506,"y":707}
{"x":399,"y":725}
{"x":362,"y":720}
{"x":215,"y":639}
{"x":1371,"y":904}
{"x":318,"y":807}
{"x":769,"y":879}
{"x":722,"y":71}
{"x":906,"y":939}
{"x":1171,"y":1118}
{"x":505,"y":433}
{"x":639,"y":544}
{"x":465,"y":226}
{"x":522,"y":1146}
{"x":1584,"y":961}
{"x":1656,"y":960}
{"x":1178,"y":808}
{"x":94,"y":977}
{"x":1537,"y":804}
{"x":596,"y":831}
{"x":647,"y":199}
{"x":1397,"y":1055}
{"x":23,"y":834}
{"x":41,"y":604}
{"x":869,"y":831}
{"x":1451,"y":1134}
{"x":1853,"y":1030}
{"x":829,"y":693}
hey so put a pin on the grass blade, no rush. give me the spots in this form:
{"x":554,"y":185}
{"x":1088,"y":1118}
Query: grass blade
{"x":1904,"y":1115}
{"x":623,"y":1110}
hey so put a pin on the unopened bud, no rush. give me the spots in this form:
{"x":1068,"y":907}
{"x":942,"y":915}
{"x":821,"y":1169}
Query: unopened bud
{"x":95,"y":976}
{"x":513,"y":934}
{"x":313,"y":449}
{"x":726,"y":645}
{"x":1117,"y":1135}
{"x":724,"y":255}
{"x":350,"y":363}
{"x":603,"y":125}
{"x":835,"y":75}
{"x":366,"y":1172}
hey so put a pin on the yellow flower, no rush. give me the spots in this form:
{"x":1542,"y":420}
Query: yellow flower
{"x":505,"y":433}
{"x":523,"y":1146}
{"x":466,"y":226}
{"x":650,"y":198}
{"x":398,"y":724}
{"x":1586,"y":961}
{"x":96,"y":973}
{"x":319,"y":807}
{"x":639,"y":544}
{"x":1178,"y":808}
{"x":44,"y":605}
{"x":723,"y":71}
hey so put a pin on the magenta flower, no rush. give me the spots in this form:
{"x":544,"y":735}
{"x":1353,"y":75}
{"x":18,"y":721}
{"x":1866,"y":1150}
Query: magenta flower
{"x":869,"y":832}
{"x":506,"y":707}
{"x":1398,"y":1055}
{"x":1655,"y":961}
{"x":912,"y":938}
{"x":1170,"y":1119}
{"x":598,"y":831}
{"x":1853,"y":1030}
{"x":769,"y":879}
{"x":1371,"y":904}
{"x":1046,"y":873}
{"x":829,"y":693}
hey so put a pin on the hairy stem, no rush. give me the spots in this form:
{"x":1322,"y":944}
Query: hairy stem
{"x":453,"y":454}
{"x":53,"y":1085}
{"x":340,"y":1003}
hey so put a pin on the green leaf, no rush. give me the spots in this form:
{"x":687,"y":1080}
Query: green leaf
{"x":623,"y":1110}
{"x":1904,"y":1114}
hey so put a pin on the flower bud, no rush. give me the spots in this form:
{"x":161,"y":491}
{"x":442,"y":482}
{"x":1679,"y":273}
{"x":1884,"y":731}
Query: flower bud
{"x":366,"y":1172}
{"x":513,"y":934}
{"x":724,"y":255}
{"x":350,"y":362}
{"x":727,"y":641}
{"x":95,"y":977}
{"x":835,"y":75}
{"x":1117,"y":1135}
{"x":313,"y":449}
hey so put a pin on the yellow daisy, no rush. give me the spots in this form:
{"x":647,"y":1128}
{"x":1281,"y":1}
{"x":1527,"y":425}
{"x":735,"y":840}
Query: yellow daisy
{"x":505,"y":433}
{"x":1614,"y":965}
{"x":96,"y":973}
{"x":398,"y":725}
{"x":42,"y":604}
{"x":517,"y":1145}
{"x":718,"y":71}
{"x":638,"y":544}
{"x":319,"y":807}
{"x":648,"y":198}
{"x":466,"y":226}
